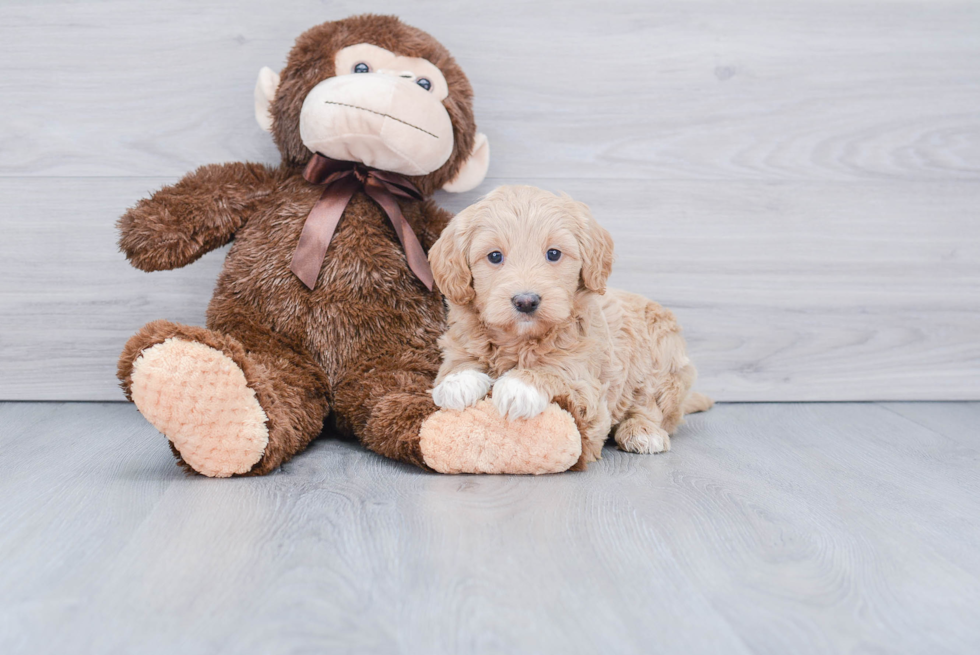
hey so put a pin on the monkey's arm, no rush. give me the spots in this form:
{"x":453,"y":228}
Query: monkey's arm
{"x":181,"y":222}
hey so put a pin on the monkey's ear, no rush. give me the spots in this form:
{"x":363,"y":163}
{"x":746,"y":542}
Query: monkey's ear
{"x":265,"y":93}
{"x":474,"y":169}
{"x":448,"y":259}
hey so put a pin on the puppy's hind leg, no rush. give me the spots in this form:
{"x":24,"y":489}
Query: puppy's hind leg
{"x":658,"y":410}
{"x":642,"y":429}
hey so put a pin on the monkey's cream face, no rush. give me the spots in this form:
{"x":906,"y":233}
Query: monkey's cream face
{"x":382,"y":110}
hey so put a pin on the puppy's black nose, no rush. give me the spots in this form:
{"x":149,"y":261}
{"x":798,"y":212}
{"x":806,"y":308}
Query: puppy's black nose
{"x":526,"y":303}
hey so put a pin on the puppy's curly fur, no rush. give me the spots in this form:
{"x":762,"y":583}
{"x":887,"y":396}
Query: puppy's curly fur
{"x":609,"y":357}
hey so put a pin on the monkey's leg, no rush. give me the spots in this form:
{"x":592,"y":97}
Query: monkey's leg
{"x":385,"y":407}
{"x":226,"y":410}
{"x":385,"y":404}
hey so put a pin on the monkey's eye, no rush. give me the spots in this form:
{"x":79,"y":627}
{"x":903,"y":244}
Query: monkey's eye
{"x":424,"y":83}
{"x":553,"y":255}
{"x":361,"y":68}
{"x":495,"y":257}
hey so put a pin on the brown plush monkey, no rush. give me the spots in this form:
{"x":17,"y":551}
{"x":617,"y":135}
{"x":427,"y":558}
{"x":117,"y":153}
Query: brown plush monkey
{"x":324,"y":303}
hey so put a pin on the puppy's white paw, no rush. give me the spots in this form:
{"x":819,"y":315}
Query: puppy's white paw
{"x":461,"y":390}
{"x":646,"y":440}
{"x":515,"y":399}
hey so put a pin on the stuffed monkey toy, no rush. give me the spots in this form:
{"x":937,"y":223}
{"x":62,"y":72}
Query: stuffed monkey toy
{"x":325,"y":306}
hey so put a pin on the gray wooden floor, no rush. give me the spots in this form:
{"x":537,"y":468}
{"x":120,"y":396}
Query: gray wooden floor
{"x":770,"y":528}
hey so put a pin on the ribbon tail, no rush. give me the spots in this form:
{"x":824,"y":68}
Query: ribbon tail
{"x":319,"y":229}
{"x":414,"y":253}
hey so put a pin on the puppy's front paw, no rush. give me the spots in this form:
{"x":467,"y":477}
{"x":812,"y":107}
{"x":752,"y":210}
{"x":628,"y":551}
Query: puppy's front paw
{"x":461,"y":390}
{"x":516,"y":399}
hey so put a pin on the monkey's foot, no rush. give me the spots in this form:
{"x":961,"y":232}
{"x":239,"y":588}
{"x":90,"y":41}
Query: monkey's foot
{"x":479,"y":440}
{"x":199,"y":399}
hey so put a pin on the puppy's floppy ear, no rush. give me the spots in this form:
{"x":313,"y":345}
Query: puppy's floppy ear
{"x":448,"y":259}
{"x":596,"y":246}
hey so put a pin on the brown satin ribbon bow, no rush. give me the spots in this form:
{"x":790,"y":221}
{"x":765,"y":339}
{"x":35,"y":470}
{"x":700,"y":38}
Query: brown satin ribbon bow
{"x":341,"y":180}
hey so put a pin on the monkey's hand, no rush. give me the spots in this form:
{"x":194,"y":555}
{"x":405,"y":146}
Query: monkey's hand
{"x":181,"y":222}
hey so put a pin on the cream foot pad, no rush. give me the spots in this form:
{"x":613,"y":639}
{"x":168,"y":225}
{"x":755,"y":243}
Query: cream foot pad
{"x":198,"y":397}
{"x":479,"y":440}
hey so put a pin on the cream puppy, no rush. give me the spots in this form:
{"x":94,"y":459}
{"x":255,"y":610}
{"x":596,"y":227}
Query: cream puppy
{"x":524,"y":272}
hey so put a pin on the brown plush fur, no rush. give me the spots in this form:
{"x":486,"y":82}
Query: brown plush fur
{"x":363,"y":342}
{"x":610,"y":358}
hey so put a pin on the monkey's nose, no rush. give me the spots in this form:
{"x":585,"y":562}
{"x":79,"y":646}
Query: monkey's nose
{"x":526,"y":303}
{"x":408,"y":75}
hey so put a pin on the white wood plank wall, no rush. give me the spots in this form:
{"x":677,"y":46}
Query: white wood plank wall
{"x":799,"y":180}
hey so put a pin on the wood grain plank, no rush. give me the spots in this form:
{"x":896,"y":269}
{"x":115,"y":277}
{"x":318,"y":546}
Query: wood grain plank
{"x":803,"y":90}
{"x":808,"y":513}
{"x":798,"y":180}
{"x":787,"y":292}
{"x":959,"y":422}
{"x":66,"y":312}
{"x":769,"y":528}
{"x":77,"y":482}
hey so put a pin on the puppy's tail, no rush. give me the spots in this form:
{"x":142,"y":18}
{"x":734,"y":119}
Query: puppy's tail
{"x":697,"y":402}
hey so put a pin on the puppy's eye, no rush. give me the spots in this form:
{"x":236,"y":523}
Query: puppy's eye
{"x":424,"y":83}
{"x":495,"y":257}
{"x":554,"y":255}
{"x":361,"y":68}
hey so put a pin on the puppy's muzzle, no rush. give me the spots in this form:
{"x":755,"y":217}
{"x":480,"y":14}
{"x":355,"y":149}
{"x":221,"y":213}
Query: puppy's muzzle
{"x":526,"y":303}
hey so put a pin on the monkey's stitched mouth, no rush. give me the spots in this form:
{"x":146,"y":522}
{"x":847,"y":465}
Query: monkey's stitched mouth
{"x":380,"y":113}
